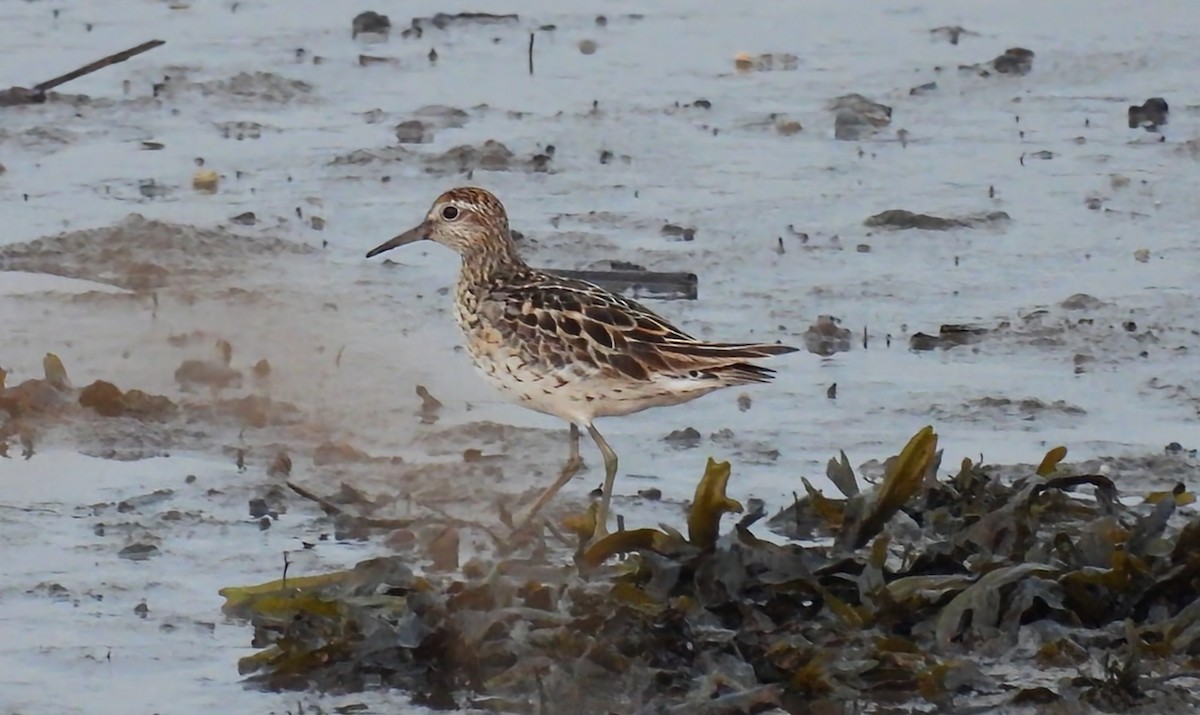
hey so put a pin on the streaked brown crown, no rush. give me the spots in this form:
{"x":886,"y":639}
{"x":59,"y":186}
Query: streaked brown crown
{"x":473,"y":222}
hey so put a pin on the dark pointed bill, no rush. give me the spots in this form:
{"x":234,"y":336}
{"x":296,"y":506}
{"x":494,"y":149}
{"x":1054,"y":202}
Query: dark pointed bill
{"x":420,"y":233}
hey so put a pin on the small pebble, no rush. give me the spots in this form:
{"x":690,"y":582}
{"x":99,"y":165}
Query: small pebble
{"x":205,"y":181}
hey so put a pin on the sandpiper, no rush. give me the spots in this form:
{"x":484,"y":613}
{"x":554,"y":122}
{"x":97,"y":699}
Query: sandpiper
{"x":566,"y":347}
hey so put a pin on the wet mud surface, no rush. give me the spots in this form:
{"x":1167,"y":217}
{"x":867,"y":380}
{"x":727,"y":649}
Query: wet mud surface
{"x":961,"y":217}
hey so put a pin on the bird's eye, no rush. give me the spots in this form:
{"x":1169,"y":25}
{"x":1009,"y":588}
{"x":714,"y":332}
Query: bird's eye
{"x":450,"y":213}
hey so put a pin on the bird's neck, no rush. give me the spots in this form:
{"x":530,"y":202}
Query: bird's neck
{"x":484,"y":263}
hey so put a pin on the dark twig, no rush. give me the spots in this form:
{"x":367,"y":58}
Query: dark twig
{"x":367,"y":522}
{"x":326,"y":506}
{"x":98,"y":65}
{"x":15,"y":96}
{"x":531,"y":36}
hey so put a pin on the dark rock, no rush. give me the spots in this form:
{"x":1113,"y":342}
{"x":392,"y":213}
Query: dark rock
{"x":414,"y":131}
{"x":680,"y":233}
{"x":370,"y":22}
{"x":1151,"y":115}
{"x":245,"y":219}
{"x":138,"y":552}
{"x":1015,"y":61}
{"x":902,"y":219}
{"x":259,"y":508}
{"x":1081,"y":301}
{"x":920,"y":89}
{"x":685,"y":438}
{"x":103,"y":397}
{"x":108,"y":400}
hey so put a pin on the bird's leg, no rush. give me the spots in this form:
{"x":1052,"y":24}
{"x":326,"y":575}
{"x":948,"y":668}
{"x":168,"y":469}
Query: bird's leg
{"x":569,"y":469}
{"x":610,"y":476}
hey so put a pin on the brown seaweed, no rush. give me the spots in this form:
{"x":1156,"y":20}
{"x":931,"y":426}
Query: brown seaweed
{"x":922,"y":592}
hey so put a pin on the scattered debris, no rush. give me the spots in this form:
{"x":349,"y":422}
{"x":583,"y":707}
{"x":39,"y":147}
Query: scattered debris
{"x":856,"y":117}
{"x":441,"y":116}
{"x":463,"y":159}
{"x":767,"y":62}
{"x":192,"y":374}
{"x":266,"y":87}
{"x":1016,"y":61}
{"x":951,"y":33}
{"x":338,"y":453}
{"x":281,"y":466}
{"x":827,"y":337}
{"x":368,"y":60}
{"x":442,"y":21}
{"x":948,"y":336}
{"x":430,"y":406}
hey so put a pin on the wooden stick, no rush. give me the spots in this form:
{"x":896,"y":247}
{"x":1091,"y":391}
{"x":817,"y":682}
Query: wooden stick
{"x":98,"y":65}
{"x":531,"y":35}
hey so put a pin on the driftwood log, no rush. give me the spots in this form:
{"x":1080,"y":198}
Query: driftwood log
{"x":648,"y":284}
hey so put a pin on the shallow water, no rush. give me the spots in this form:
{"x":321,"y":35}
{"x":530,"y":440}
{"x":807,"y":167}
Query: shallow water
{"x":349,"y":339}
